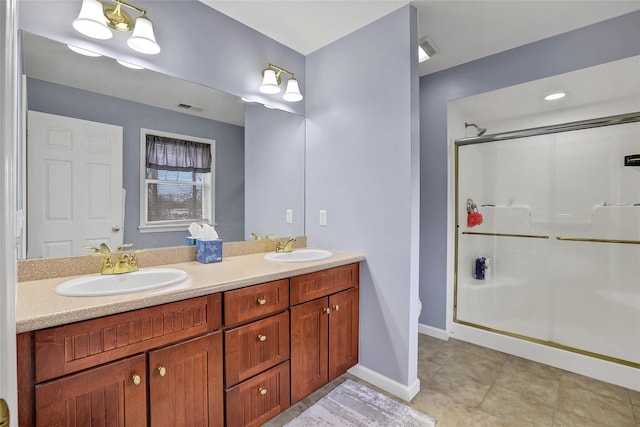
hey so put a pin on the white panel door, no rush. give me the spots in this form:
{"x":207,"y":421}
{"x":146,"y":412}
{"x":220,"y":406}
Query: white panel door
{"x":74,"y":185}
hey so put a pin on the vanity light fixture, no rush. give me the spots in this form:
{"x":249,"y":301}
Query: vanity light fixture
{"x":271,"y":79}
{"x":84,"y":52}
{"x":425,"y":50}
{"x":129,"y":65}
{"x":96,"y":18}
{"x":554,"y":96}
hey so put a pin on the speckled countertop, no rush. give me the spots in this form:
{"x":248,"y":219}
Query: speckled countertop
{"x":39,"y":307}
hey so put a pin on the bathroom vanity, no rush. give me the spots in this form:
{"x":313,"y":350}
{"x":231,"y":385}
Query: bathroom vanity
{"x":243,"y":342}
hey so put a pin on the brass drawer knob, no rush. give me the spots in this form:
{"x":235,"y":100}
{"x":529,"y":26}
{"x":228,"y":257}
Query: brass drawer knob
{"x":326,"y":310}
{"x":336,"y":307}
{"x":162,"y":371}
{"x":262,"y":391}
{"x":262,"y":338}
{"x":262,"y":301}
{"x":136,"y":379}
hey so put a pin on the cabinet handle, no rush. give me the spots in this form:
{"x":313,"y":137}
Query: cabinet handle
{"x":136,"y":379}
{"x":262,"y":391}
{"x":336,"y":307}
{"x":262,"y":301}
{"x":326,"y":310}
{"x":262,"y":338}
{"x":162,"y":371}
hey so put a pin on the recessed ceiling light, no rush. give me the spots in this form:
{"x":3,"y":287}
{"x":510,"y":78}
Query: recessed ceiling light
{"x":129,"y":65}
{"x":82,"y":51}
{"x":271,"y":107}
{"x":554,"y":96}
{"x":425,"y":50}
{"x":246,"y":99}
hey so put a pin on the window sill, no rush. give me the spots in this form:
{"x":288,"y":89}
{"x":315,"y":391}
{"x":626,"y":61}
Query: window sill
{"x":163,"y":228}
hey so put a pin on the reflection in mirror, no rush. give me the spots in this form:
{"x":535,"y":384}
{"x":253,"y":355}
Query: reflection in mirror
{"x":62,"y":83}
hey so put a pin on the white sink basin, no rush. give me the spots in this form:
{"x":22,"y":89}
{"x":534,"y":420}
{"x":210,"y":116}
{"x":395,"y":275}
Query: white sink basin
{"x":298,"y":255}
{"x":115,"y":284}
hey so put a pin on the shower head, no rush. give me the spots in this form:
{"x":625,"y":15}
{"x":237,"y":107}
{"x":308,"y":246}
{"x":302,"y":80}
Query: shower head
{"x":481,"y":131}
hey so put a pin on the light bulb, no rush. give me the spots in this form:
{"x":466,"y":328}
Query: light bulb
{"x":91,"y":21}
{"x":143,"y":40}
{"x":269,"y":82}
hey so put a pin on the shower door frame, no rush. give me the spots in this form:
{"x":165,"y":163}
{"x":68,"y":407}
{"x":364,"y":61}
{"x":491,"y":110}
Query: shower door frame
{"x":504,"y":136}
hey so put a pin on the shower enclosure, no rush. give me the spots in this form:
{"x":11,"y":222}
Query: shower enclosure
{"x":551,"y":254}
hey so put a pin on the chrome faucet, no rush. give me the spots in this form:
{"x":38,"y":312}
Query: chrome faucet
{"x":126,"y":262}
{"x":286,"y":246}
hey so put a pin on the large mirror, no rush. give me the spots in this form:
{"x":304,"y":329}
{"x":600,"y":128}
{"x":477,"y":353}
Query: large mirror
{"x":258,"y":170}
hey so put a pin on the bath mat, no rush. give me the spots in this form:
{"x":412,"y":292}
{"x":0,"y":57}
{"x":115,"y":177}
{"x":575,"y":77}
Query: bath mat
{"x":354,"y":405}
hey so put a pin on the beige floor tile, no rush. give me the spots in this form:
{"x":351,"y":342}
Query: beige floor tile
{"x":482,"y":419}
{"x":590,"y":404}
{"x":570,"y":419}
{"x":434,"y":350}
{"x":636,"y":414}
{"x":530,"y":388}
{"x":503,"y":403}
{"x":477,"y":367}
{"x":518,"y":364}
{"x":477,"y":350}
{"x":459,"y":386}
{"x":635,"y":397}
{"x":446,"y":411}
{"x":427,"y":369}
{"x":571,"y":380}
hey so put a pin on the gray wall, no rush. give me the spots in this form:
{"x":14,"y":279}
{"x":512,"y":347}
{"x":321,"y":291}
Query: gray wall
{"x":596,"y":44}
{"x":65,"y":101}
{"x":360,"y":142}
{"x":199,"y":44}
{"x":274,"y":171}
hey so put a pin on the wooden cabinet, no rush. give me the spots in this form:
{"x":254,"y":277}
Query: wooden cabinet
{"x":324,"y":331}
{"x":104,"y":396}
{"x":95,"y":372}
{"x":185,"y":383}
{"x":252,"y":348}
{"x":257,"y":371}
{"x":179,"y":364}
{"x":255,"y":401}
{"x":253,"y":302}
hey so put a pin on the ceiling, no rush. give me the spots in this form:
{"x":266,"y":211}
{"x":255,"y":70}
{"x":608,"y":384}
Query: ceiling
{"x":460,"y":31}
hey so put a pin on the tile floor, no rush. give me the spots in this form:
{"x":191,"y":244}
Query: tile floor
{"x":464,"y":384}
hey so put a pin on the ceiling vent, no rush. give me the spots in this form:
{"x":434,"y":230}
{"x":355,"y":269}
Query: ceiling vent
{"x":190,"y":107}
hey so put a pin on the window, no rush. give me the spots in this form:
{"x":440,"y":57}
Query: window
{"x":177,"y":184}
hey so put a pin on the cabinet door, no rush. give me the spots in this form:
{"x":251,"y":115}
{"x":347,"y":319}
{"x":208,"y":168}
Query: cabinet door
{"x":309,"y":347}
{"x":104,"y":396}
{"x":185,"y":383}
{"x":343,"y":332}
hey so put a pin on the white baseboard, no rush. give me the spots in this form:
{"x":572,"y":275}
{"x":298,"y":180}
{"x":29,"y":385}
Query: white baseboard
{"x":433,"y":332}
{"x":404,"y":392}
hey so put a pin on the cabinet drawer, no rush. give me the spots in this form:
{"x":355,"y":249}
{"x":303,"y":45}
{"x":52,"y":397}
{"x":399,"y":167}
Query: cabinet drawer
{"x":71,"y":348}
{"x":260,"y":398}
{"x":322,"y":283}
{"x":256,"y":301}
{"x":252,"y":348}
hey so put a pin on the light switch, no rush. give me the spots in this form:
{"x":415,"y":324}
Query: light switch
{"x":289,"y":216}
{"x":323,"y":217}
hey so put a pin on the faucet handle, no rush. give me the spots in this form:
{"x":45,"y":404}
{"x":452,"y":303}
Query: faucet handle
{"x":92,"y":248}
{"x":124,"y":245}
